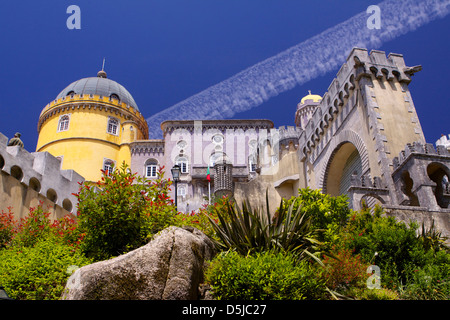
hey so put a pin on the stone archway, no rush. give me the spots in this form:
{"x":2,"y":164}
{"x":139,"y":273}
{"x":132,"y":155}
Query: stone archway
{"x":345,"y":146}
{"x":440,"y":174}
{"x":345,"y":163}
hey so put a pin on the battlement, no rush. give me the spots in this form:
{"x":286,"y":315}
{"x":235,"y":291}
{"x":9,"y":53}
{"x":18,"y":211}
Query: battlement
{"x":91,"y":101}
{"x":289,"y":132}
{"x":419,"y":148}
{"x":365,"y":181}
{"x":41,"y":172}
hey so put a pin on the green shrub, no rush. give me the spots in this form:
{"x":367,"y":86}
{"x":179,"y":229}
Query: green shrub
{"x":429,"y":283}
{"x":393,"y":246}
{"x":38,"y":272}
{"x":267,"y":275}
{"x":246,"y":230}
{"x":344,"y":271}
{"x":378,"y":294}
{"x":7,"y":227}
{"x":122,"y":211}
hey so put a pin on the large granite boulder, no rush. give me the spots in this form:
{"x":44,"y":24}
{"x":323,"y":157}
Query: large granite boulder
{"x":170,"y":267}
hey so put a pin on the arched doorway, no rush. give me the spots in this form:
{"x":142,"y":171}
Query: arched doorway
{"x":344,"y":163}
{"x":439,"y":174}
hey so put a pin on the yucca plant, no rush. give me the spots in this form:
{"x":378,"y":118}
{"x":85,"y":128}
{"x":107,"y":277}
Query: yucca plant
{"x":432,"y":238}
{"x":247,"y":231}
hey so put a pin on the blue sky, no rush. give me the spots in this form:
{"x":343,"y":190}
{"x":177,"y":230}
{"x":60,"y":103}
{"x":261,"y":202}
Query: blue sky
{"x":164,"y":51}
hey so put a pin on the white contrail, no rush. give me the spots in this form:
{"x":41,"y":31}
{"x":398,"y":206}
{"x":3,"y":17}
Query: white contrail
{"x":301,"y":63}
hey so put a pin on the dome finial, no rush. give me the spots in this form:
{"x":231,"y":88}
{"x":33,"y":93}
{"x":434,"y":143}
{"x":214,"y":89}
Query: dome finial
{"x":102,"y":73}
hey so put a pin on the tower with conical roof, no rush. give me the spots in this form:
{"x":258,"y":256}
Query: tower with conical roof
{"x":90,"y":125}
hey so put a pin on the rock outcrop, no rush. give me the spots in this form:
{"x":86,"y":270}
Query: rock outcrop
{"x":170,"y":267}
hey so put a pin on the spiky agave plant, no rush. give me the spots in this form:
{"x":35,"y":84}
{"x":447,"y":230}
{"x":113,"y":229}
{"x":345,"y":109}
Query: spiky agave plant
{"x":246,"y":230}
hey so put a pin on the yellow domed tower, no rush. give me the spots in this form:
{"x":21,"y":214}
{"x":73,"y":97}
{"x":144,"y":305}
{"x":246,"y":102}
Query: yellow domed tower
{"x":306,"y":108}
{"x":90,"y":125}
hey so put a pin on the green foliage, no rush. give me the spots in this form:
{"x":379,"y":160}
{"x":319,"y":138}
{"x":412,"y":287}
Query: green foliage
{"x":393,"y":246}
{"x":377,"y":294}
{"x":250,"y":230}
{"x":432,"y":238}
{"x":7,"y":227}
{"x":344,"y":271}
{"x":122,"y":211}
{"x":201,"y":218}
{"x":266,"y":275}
{"x":327,"y":213}
{"x":429,"y":283}
{"x":38,"y":272}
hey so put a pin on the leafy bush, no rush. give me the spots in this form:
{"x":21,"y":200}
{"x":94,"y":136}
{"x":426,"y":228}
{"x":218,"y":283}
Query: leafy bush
{"x":323,"y":208}
{"x":38,"y":272}
{"x":344,"y":271}
{"x":201,"y":218}
{"x":267,"y":275}
{"x":250,"y":230}
{"x":122,"y":211}
{"x":7,"y":227}
{"x":378,"y":294}
{"x":432,"y":282}
{"x":393,"y":246}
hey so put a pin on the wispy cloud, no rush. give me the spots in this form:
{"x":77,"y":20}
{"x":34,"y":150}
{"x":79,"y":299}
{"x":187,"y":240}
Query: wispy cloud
{"x":299,"y":64}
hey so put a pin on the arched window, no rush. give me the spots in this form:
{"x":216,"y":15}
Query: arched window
{"x":151,"y":168}
{"x":181,"y":192}
{"x":113,"y":125}
{"x":183,"y":163}
{"x":108,"y":166}
{"x":114,"y":97}
{"x":63,"y":124}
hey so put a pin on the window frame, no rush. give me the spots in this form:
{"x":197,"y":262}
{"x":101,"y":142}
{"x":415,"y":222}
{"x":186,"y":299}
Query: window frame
{"x":153,"y":165}
{"x":110,"y":169}
{"x":66,"y":123}
{"x":183,"y":161}
{"x":117,"y":127}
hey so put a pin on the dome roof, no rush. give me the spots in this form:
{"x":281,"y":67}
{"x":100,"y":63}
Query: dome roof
{"x":313,"y":97}
{"x":99,"y":85}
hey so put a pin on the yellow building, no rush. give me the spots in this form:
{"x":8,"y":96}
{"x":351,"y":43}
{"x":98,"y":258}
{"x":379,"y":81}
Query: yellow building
{"x":90,"y":125}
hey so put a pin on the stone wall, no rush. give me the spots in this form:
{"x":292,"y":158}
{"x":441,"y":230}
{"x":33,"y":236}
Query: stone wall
{"x":27,"y":178}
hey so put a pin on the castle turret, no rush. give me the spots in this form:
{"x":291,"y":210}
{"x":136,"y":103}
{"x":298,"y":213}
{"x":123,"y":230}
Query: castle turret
{"x":305,"y":109}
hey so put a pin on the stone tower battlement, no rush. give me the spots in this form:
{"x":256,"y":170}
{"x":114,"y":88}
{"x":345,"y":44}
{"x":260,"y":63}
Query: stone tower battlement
{"x":360,"y":64}
{"x":40,"y":171}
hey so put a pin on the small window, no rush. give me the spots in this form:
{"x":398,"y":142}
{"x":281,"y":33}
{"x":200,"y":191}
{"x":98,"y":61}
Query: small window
{"x":181,"y":191}
{"x":63,"y":124}
{"x":183,"y":163}
{"x":252,"y":164}
{"x":113,"y":126}
{"x":151,"y":168}
{"x":114,"y":97}
{"x":108,"y":166}
{"x":70,"y":93}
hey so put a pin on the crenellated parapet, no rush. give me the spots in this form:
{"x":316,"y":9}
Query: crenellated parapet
{"x":94,"y":102}
{"x":148,"y":147}
{"x":418,"y":148}
{"x":41,"y":172}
